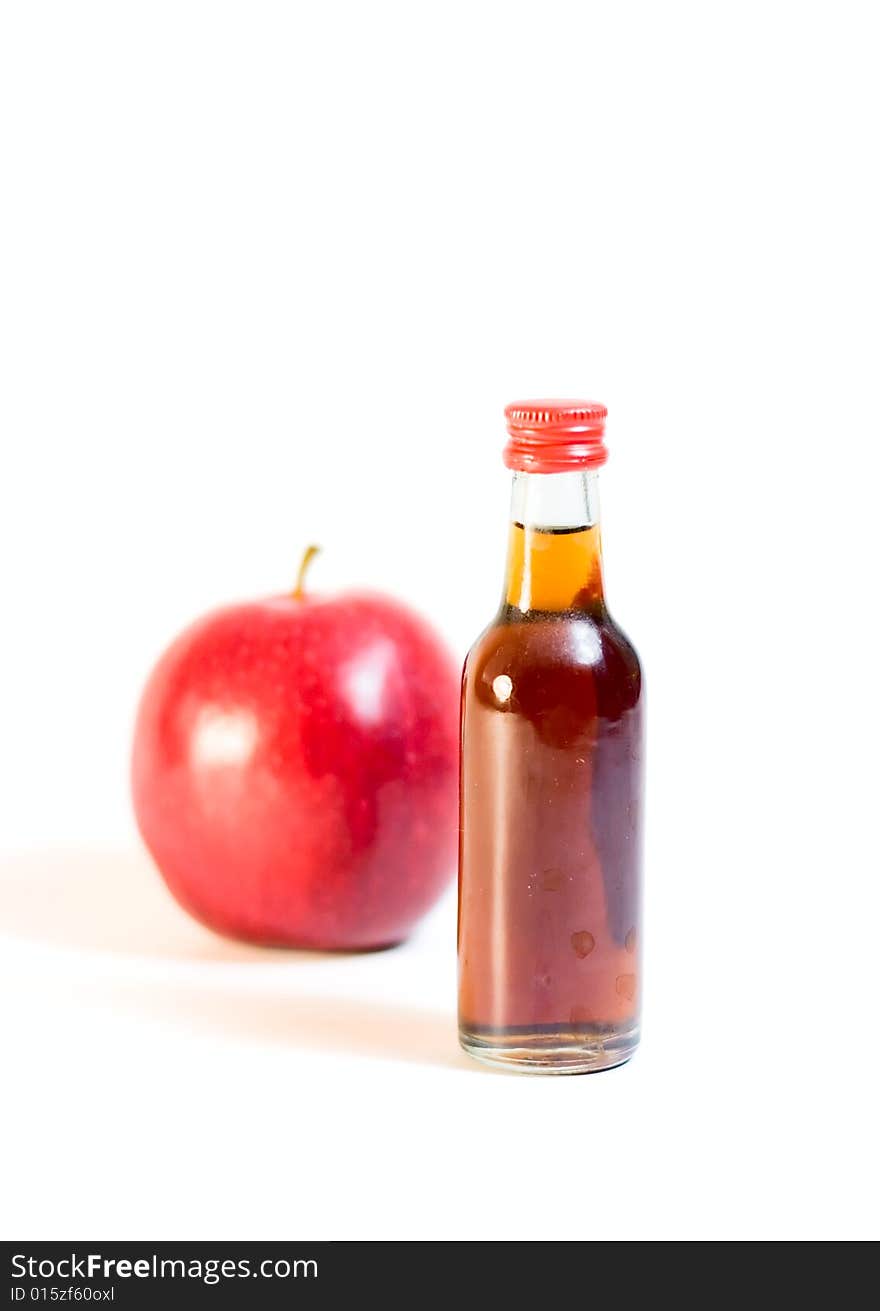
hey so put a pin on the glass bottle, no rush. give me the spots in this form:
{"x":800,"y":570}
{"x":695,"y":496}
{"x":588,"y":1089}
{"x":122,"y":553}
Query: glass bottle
{"x":551,"y":777}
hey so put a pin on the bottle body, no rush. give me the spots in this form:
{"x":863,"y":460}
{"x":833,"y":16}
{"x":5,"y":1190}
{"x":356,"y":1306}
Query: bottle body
{"x":551,"y":803}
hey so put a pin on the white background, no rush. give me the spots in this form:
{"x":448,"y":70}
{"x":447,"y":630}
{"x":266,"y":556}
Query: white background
{"x":269,"y":274}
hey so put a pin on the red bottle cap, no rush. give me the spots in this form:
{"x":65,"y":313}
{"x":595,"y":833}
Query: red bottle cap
{"x":555,"y":436}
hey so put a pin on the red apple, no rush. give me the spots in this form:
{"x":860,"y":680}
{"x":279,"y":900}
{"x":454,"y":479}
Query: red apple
{"x":295,"y":768}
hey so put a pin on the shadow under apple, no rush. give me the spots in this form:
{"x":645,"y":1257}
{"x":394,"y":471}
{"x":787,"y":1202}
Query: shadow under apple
{"x":115,"y":904}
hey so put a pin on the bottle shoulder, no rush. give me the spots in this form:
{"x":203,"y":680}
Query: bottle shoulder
{"x":579,"y":638}
{"x":580,"y":655}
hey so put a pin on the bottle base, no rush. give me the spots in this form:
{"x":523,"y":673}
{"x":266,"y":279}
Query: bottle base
{"x":552,"y":1050}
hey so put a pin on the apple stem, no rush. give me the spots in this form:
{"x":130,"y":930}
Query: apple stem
{"x":308,"y":556}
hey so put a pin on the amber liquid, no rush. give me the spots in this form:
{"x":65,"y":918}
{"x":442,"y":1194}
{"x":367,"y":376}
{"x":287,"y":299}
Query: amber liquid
{"x":551,"y":818}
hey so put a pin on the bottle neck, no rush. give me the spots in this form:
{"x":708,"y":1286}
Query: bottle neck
{"x":554,"y":557}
